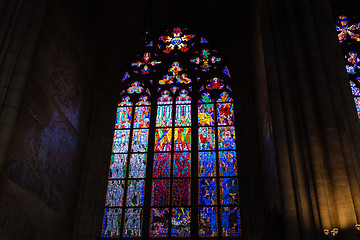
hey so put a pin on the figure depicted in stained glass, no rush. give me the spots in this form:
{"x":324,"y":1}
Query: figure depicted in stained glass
{"x":165,"y":98}
{"x":183,"y":115}
{"x":183,"y":97}
{"x":206,"y":114}
{"x":161,"y":165}
{"x":137,"y":165}
{"x":207,"y":191}
{"x":163,"y":139}
{"x":123,"y":117}
{"x":225,"y":114}
{"x":229,"y":191}
{"x":227,"y":161}
{"x":206,"y":138}
{"x":226,"y":136}
{"x":215,"y":83}
{"x":125,"y":102}
{"x":344,"y":29}
{"x":115,"y":193}
{"x":164,"y":116}
{"x":230,"y":221}
{"x":182,"y":164}
{"x":159,"y":222}
{"x":140,"y":140}
{"x":135,"y":193}
{"x":180,"y":221}
{"x":354,"y":60}
{"x":175,"y":71}
{"x":182,"y":139}
{"x":117,"y":166}
{"x":132,"y":222}
{"x":207,"y":222}
{"x":205,"y":60}
{"x":142,"y":117}
{"x":121,"y":141}
{"x":177,"y":39}
{"x":181,"y":192}
{"x":207,"y":164}
{"x":111,"y":225}
{"x":135,"y":88}
{"x":146,"y":64}
{"x":205,"y":98}
{"x":160,"y":192}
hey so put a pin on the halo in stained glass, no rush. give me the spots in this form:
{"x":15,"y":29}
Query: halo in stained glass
{"x":165,"y":98}
{"x":135,"y":88}
{"x":125,"y":102}
{"x":205,"y":98}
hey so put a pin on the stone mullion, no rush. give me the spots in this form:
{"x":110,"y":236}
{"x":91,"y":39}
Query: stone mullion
{"x":32,"y":22}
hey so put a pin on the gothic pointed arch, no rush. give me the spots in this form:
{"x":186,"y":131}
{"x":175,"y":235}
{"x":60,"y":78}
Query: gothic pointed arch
{"x":173,"y":169}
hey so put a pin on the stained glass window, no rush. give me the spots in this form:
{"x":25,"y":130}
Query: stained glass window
{"x":348,"y":29}
{"x":174,"y":173}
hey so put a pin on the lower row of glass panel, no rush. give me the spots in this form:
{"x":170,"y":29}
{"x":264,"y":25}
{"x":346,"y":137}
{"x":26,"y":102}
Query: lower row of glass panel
{"x":177,"y":224}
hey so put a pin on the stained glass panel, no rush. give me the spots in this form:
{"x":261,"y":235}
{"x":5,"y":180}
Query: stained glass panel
{"x":355,"y":90}
{"x":135,"y":193}
{"x":115,"y":193}
{"x":164,"y":116}
{"x":160,"y":192}
{"x":206,"y":114}
{"x":183,"y":115}
{"x":207,"y":221}
{"x":357,"y":104}
{"x":180,"y":222}
{"x":181,"y":192}
{"x":117,"y":166}
{"x":111,"y":222}
{"x":163,"y":139}
{"x":142,"y":117}
{"x":161,"y":165}
{"x":182,"y":164}
{"x":225,"y":113}
{"x":207,"y":164}
{"x":224,"y":97}
{"x":132,"y":226}
{"x":226,"y":137}
{"x":137,"y":165}
{"x":159,"y":222}
{"x":123,"y":117}
{"x":182,"y":139}
{"x":230,"y":221}
{"x":183,"y":98}
{"x":206,"y":138}
{"x":228,"y":166}
{"x":121,"y":141}
{"x":229,"y":191}
{"x":207,"y":191}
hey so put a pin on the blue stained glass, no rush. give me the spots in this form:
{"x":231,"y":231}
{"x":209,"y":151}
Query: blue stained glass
{"x":123,"y":117}
{"x":111,"y":223}
{"x":126,"y":76}
{"x":180,"y":222}
{"x":137,"y":165}
{"x":121,"y":141}
{"x":159,"y":222}
{"x":133,"y":224}
{"x":205,"y":98}
{"x":164,"y":116}
{"x":183,"y":115}
{"x":135,"y":193}
{"x":229,"y":191}
{"x":226,"y":137}
{"x":226,"y":71}
{"x":224,"y":97}
{"x":355,"y":90}
{"x":140,"y":140}
{"x":115,"y":193}
{"x":207,"y":191}
{"x":206,"y":138}
{"x":206,"y":114}
{"x":161,"y":165}
{"x":207,"y":164}
{"x":182,"y":164}
{"x":142,"y":117}
{"x":230,"y":221}
{"x":228,"y":165}
{"x":207,"y":222}
{"x":117,"y":166}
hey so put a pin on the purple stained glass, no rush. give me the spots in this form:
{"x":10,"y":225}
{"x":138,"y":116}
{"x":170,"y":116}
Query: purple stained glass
{"x":123,"y":117}
{"x":206,"y":115}
{"x":160,"y":192}
{"x":207,"y":191}
{"x":142,"y":117}
{"x":182,"y":139}
{"x":207,"y":164}
{"x":121,"y":141}
{"x":115,"y":193}
{"x":132,"y":227}
{"x":182,"y":164}
{"x":163,"y":139}
{"x":111,"y":222}
{"x":159,"y":222}
{"x":181,"y":192}
{"x":140,"y":140}
{"x":226,"y":136}
{"x":206,"y":138}
{"x":117,"y":166}
{"x":225,"y":114}
{"x":180,"y":220}
{"x":135,"y":193}
{"x":137,"y":165}
{"x":183,"y":115}
{"x":229,"y":191}
{"x":230,"y":221}
{"x":207,"y":222}
{"x":161,"y":165}
{"x":228,"y":165}
{"x":164,"y":116}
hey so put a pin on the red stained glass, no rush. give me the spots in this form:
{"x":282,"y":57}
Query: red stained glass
{"x":160,"y":192}
{"x":181,"y":192}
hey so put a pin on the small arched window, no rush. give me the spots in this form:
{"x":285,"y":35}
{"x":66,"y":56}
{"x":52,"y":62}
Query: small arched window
{"x":173,"y":168}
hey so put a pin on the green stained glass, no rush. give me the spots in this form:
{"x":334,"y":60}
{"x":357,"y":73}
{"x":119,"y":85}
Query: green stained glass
{"x":206,"y":114}
{"x":163,"y":139}
{"x":164,"y":116}
{"x":121,"y":141}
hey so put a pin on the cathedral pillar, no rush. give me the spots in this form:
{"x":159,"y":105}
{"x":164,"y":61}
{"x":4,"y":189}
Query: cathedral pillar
{"x":20,"y":25}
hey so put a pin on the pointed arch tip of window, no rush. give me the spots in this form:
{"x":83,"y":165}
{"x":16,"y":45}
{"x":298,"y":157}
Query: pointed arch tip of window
{"x":177,"y":77}
{"x":226,"y":71}
{"x":135,"y":88}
